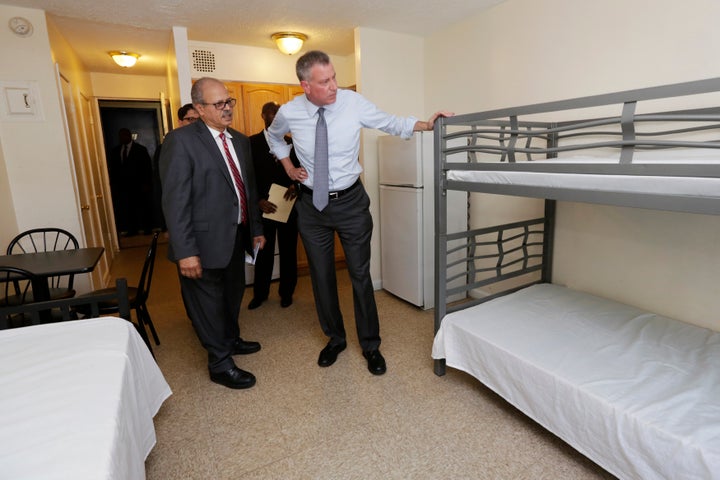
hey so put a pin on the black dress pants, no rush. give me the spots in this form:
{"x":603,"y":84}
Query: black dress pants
{"x":287,"y":235}
{"x":349,"y":216}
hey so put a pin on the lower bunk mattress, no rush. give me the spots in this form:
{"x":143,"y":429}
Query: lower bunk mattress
{"x":637,"y":393}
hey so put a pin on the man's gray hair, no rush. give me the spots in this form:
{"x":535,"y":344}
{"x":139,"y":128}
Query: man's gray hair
{"x":196,"y":92}
{"x":307,"y":61}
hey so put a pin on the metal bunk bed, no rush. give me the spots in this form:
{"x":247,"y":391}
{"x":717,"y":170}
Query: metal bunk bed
{"x":625,"y":149}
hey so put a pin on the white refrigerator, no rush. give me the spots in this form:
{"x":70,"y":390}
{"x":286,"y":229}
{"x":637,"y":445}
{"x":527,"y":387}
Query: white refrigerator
{"x":406,"y":177}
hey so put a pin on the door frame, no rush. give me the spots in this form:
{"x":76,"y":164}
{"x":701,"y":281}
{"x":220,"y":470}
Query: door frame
{"x":159,"y":105}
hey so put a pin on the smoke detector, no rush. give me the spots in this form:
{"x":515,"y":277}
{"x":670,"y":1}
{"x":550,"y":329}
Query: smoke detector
{"x":20,"y":26}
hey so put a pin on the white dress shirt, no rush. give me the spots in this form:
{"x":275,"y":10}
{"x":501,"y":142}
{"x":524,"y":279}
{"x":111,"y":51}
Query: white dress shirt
{"x":219,"y":143}
{"x":345,"y":118}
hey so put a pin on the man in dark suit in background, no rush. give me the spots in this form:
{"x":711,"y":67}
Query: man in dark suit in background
{"x":210,"y":205}
{"x":130,"y":173}
{"x":269,"y":170}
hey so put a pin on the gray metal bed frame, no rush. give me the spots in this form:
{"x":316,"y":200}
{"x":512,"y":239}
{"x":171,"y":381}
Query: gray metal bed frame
{"x":514,"y":139}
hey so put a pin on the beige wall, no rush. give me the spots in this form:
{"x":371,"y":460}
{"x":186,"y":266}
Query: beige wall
{"x":37,"y":183}
{"x":395,"y":87}
{"x":117,"y":85}
{"x":7,"y":207}
{"x":525,"y":51}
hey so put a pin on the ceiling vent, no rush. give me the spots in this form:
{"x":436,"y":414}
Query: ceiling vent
{"x":203,"y":61}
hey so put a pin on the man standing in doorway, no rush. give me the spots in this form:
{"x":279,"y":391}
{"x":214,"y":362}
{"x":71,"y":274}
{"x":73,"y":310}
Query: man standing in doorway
{"x":130,"y":173}
{"x":325,"y":124}
{"x":210,"y":205}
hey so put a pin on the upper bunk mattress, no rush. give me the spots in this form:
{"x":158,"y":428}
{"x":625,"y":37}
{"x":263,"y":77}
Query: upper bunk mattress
{"x":689,"y":186}
{"x":636,"y":392}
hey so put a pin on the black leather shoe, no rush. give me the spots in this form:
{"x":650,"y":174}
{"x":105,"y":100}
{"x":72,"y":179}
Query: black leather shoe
{"x":329,"y":354}
{"x":255,"y":303}
{"x":245,"y":348}
{"x":376,"y":362}
{"x":285,"y":302}
{"x":234,"y":378}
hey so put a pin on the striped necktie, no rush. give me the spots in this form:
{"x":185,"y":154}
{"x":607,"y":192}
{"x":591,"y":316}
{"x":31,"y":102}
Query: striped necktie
{"x":238,"y":179}
{"x":320,"y":175}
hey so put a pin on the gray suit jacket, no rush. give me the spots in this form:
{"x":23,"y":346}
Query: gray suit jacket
{"x":198,"y":198}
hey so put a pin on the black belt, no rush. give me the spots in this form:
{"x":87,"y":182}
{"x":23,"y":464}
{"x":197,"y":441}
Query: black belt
{"x":333,"y":195}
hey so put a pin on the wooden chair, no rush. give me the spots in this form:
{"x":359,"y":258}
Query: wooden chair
{"x":67,"y":308}
{"x":138,"y":295}
{"x":47,"y":240}
{"x":16,"y":286}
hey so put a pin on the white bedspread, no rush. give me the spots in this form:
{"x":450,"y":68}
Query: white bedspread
{"x":637,"y":393}
{"x":77,"y":401}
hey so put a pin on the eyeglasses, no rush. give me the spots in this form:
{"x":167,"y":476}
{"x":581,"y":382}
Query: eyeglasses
{"x":190,"y":119}
{"x":230,"y":102}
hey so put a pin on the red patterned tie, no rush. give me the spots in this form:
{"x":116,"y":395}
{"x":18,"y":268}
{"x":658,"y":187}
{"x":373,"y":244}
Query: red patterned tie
{"x":238,"y":179}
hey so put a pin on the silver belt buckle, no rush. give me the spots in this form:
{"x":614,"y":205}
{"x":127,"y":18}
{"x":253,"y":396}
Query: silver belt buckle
{"x":334,"y":195}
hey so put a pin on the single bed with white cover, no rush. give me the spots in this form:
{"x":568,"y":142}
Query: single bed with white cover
{"x":636,"y":392}
{"x":77,"y":401}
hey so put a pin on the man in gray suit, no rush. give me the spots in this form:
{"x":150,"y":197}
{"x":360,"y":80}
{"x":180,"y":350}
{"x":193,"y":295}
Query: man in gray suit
{"x":210,"y":204}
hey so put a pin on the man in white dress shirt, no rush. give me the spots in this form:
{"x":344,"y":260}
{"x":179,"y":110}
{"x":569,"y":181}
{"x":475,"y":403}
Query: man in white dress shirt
{"x":346,"y":208}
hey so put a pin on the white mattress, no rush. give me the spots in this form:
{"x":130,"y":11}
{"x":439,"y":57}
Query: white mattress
{"x":637,"y":393}
{"x":77,"y":401}
{"x":637,"y":184}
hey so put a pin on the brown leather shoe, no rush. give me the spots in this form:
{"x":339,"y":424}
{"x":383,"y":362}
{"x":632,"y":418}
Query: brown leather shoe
{"x":234,"y":378}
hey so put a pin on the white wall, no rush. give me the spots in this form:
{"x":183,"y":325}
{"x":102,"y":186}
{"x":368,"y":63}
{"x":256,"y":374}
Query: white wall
{"x":37,"y":183}
{"x":239,"y":63}
{"x":525,"y":51}
{"x":178,"y":74}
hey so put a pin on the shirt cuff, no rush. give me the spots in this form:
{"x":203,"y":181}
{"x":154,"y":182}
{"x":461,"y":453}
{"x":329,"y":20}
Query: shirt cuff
{"x":408,"y":126}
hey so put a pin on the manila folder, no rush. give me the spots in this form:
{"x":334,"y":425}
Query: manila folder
{"x":284,"y":207}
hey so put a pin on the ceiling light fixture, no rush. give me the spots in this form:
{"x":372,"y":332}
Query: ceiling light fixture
{"x":289,"y":43}
{"x":124,"y":59}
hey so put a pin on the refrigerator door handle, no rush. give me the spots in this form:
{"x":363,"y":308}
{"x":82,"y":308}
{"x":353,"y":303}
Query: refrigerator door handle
{"x":401,"y":185}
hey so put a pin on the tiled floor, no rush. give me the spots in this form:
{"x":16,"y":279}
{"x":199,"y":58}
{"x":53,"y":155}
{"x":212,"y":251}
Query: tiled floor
{"x":305,"y":422}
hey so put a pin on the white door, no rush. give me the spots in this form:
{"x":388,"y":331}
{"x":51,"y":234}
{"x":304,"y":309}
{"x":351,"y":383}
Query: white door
{"x":83,"y":179}
{"x":102,"y":196}
{"x":401,"y":243}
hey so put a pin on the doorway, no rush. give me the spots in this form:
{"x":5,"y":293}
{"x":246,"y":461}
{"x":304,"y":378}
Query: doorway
{"x":134,"y":177}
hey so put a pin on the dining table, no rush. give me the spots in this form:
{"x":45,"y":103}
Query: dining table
{"x":45,"y":265}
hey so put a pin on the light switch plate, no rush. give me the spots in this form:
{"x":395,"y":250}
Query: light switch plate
{"x":20,"y":101}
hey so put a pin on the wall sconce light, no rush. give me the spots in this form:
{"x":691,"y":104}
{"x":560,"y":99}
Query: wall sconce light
{"x":289,"y":43}
{"x":124,"y":59}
